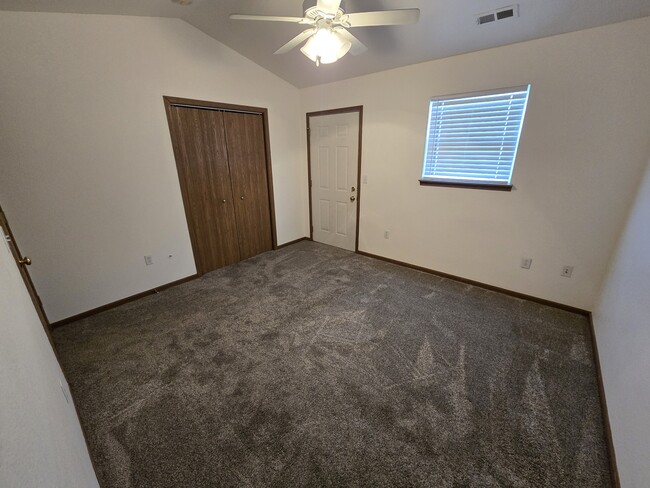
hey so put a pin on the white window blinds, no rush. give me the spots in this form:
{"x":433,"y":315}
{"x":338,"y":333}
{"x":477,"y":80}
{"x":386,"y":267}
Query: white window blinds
{"x":473,"y":138}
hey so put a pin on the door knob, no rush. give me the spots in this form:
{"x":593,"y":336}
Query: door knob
{"x":242,"y":197}
{"x":353,"y":189}
{"x":353,"y":198}
{"x":223,"y":201}
{"x":26,"y":261}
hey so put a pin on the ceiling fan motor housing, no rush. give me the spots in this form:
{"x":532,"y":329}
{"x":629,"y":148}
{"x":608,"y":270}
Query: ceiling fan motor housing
{"x":311,"y":5}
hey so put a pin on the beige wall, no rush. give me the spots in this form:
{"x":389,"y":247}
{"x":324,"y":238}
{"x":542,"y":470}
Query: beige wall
{"x":582,"y":151}
{"x":622,"y":324}
{"x":41,"y":443}
{"x":90,"y":186}
{"x":89,"y":182}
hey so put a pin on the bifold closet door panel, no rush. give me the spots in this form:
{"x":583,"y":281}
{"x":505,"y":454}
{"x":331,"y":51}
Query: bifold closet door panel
{"x":202,"y":162}
{"x":247,"y":158}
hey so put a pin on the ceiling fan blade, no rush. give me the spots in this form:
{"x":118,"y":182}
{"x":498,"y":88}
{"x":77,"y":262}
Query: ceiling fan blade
{"x":386,"y":17}
{"x":271,"y":18}
{"x":295,"y":41}
{"x":328,"y":6}
{"x":358,"y":47}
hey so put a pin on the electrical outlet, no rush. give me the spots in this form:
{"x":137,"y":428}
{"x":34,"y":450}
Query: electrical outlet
{"x":148,"y":260}
{"x":386,"y":234}
{"x":526,"y":262}
{"x":567,"y":271}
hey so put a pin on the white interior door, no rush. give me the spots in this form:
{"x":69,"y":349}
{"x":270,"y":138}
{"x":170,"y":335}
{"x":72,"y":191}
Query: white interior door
{"x":334,"y":153}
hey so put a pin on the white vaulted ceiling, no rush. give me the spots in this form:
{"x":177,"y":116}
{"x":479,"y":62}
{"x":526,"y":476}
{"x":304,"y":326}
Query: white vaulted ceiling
{"x":446,"y":28}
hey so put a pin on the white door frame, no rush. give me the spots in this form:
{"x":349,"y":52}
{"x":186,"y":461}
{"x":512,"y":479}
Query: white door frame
{"x":359,"y":110}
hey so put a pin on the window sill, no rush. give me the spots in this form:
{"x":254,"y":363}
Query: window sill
{"x":474,"y":186}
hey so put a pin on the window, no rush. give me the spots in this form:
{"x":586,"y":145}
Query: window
{"x":472,"y":138}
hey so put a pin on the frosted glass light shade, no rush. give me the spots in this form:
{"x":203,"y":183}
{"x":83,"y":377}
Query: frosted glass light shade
{"x":326,"y":46}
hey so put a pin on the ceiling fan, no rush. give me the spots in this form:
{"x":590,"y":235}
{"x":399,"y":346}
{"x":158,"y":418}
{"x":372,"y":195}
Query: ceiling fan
{"x":328,"y":38}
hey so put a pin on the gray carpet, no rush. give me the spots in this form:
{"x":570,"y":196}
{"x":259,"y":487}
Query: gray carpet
{"x":313,"y":366}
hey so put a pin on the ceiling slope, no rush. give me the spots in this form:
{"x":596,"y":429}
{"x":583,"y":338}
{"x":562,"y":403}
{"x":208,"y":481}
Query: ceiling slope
{"x":446,"y":28}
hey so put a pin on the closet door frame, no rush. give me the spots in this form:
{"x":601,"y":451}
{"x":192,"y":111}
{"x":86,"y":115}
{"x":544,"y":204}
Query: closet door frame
{"x":171,"y":102}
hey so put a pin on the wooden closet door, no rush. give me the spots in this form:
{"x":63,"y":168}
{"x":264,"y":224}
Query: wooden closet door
{"x":202,"y":161}
{"x":247,"y":159}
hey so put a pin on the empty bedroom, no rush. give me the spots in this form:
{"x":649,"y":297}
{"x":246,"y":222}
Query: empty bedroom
{"x":324,"y":243}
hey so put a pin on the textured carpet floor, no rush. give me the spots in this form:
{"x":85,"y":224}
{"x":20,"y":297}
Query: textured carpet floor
{"x":312,"y":366}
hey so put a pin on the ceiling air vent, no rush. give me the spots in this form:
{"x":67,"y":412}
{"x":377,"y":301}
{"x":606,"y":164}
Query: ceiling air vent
{"x":498,"y":14}
{"x":484,"y":19}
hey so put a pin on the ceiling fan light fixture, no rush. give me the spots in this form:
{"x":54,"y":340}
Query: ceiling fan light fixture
{"x":326,"y":46}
